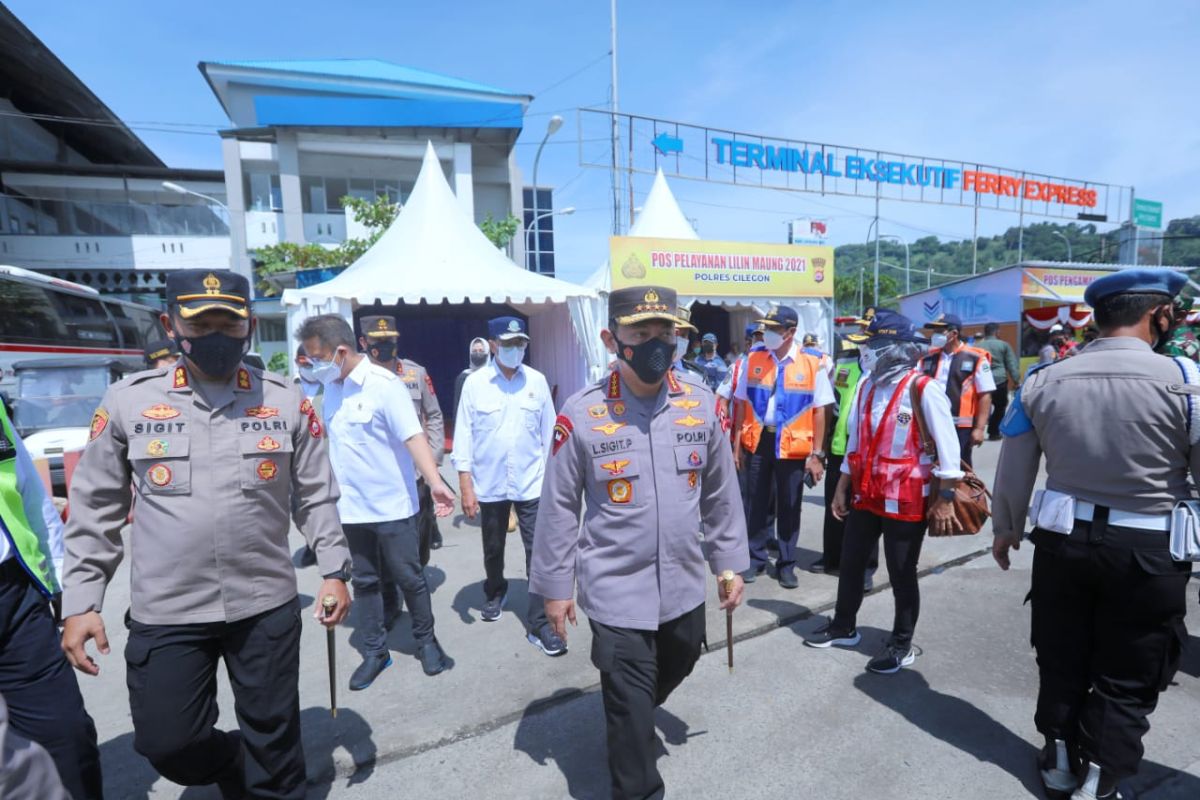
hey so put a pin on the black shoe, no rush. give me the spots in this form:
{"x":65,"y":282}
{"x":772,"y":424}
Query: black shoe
{"x":751,"y":575}
{"x":787,"y":578}
{"x":817,"y":567}
{"x":493,"y":607}
{"x":1057,"y":770}
{"x":433,"y":658}
{"x":892,"y":659}
{"x":436,"y":542}
{"x":548,"y":641}
{"x":830,"y":637}
{"x":368,"y":671}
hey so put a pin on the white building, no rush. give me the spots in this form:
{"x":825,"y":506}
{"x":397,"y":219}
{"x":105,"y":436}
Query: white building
{"x":81,"y":196}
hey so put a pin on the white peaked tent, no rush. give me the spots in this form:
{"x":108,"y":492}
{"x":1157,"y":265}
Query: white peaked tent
{"x":661,"y":218}
{"x":434,"y":252}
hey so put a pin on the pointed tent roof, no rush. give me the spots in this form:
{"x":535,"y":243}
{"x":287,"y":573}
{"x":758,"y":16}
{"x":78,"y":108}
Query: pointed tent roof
{"x":660,"y":218}
{"x":433,"y":251}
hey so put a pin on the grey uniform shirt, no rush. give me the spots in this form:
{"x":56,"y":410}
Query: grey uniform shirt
{"x":429,"y":411}
{"x":1112,"y":422}
{"x":651,"y":472}
{"x":214,"y":474}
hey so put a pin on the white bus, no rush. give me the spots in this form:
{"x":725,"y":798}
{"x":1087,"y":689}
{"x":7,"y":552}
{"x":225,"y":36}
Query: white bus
{"x":44,"y":317}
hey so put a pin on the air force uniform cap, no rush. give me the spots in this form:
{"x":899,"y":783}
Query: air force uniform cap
{"x":1150,"y":281}
{"x":507,"y":329}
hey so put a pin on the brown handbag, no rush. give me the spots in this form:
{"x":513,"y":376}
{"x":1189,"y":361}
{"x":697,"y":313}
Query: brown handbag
{"x":971,"y":495}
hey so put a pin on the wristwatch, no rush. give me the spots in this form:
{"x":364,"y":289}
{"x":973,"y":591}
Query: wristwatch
{"x":946,"y":494}
{"x":342,"y":574}
{"x":818,"y":454}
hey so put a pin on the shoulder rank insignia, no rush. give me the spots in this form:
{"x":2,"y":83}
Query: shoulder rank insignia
{"x":243,"y":379}
{"x":689,"y":421}
{"x":180,"y":381}
{"x":267,"y":443}
{"x":562,"y":432}
{"x":609,"y":428}
{"x":99,"y":423}
{"x":616,"y":467}
{"x":673,"y":384}
{"x":160,"y":411}
{"x":614,"y":385}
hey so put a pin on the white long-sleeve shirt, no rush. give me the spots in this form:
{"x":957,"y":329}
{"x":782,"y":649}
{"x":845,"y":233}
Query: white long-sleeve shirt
{"x":39,"y":511}
{"x":503,"y":432}
{"x":936,"y":408}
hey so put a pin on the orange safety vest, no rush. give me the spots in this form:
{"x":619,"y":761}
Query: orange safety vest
{"x":793,"y":403}
{"x":889,"y":471}
{"x":960,"y":380}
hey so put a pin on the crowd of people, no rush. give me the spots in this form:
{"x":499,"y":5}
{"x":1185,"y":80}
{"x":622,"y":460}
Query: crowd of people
{"x":676,"y":463}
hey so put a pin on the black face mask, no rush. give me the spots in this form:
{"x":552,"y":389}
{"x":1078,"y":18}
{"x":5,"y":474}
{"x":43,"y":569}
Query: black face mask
{"x":383,"y":351}
{"x":649,"y":360}
{"x":216,"y":354}
{"x":478,"y":359}
{"x":708,"y":348}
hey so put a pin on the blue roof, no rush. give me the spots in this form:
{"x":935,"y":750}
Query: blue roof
{"x":371,"y":69}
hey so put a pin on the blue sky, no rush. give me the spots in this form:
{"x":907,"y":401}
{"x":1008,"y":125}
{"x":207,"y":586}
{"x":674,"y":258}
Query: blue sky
{"x":1097,"y":90}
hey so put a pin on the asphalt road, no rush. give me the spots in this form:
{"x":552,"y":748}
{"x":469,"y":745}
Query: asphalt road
{"x":509,"y":722}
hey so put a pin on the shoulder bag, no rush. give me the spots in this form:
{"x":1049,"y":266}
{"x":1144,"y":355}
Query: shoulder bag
{"x":971,"y":495}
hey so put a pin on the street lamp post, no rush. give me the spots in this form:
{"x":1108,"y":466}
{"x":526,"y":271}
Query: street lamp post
{"x":561,"y":212}
{"x":1060,"y":235}
{"x":907,"y":287}
{"x":551,"y":128}
{"x":177,"y":189}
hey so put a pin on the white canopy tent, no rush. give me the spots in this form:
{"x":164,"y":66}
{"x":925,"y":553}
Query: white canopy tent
{"x":661,"y":218}
{"x":433,"y":252}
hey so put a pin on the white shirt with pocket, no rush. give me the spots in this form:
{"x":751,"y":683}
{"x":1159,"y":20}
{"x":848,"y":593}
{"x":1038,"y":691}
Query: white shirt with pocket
{"x":370,"y":417}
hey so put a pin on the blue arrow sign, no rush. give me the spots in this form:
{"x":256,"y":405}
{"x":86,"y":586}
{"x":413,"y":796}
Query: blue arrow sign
{"x":665,"y":143}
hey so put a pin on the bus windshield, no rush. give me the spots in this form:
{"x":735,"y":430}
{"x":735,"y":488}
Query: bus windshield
{"x":58,"y":397}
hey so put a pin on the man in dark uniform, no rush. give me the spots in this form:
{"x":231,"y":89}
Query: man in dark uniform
{"x":645,"y":449}
{"x":1108,"y":601}
{"x":161,"y":353}
{"x":219,"y":456}
{"x":379,"y":340}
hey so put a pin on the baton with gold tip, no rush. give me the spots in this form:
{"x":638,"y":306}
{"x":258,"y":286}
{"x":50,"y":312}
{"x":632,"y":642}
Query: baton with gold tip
{"x":328,"y":605}
{"x":727,"y":583}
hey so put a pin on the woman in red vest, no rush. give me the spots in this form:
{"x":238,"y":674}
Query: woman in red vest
{"x":885,"y":483}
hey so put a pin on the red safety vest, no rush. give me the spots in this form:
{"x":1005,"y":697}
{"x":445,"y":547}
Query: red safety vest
{"x":889,"y":471}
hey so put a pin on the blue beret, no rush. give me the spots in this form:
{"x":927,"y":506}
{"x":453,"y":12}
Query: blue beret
{"x":1162,"y":281}
{"x":506,"y":328}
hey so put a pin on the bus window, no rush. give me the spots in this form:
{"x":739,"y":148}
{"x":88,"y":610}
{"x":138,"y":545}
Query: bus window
{"x":138,"y":326}
{"x":86,"y":322}
{"x":28,"y":315}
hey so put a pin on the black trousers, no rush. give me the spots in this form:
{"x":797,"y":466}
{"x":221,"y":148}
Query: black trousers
{"x":831,"y":544}
{"x":964,"y":445}
{"x":638,"y":671}
{"x":395,"y":543}
{"x":171,"y":672}
{"x":493,"y":520}
{"x":786,"y":476}
{"x":901,"y":550}
{"x":999,"y":406}
{"x":768,"y":528}
{"x":39,"y":686}
{"x":1108,"y":607}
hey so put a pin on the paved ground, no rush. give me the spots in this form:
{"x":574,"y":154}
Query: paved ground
{"x":509,"y":722}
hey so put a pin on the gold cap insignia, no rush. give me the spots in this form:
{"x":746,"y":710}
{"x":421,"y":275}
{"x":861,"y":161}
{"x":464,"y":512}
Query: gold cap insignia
{"x":381,"y":324}
{"x":651,"y":296}
{"x":212,"y":284}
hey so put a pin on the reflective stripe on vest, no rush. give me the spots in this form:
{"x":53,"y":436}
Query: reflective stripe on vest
{"x":846,"y":374}
{"x":960,"y":383}
{"x":793,"y":403}
{"x":14,"y":524}
{"x":889,"y":472}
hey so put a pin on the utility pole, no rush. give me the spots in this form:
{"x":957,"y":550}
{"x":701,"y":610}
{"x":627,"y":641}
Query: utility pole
{"x":616,"y":125}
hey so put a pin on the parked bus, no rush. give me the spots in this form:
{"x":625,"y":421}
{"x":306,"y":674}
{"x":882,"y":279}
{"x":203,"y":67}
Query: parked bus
{"x":44,"y":317}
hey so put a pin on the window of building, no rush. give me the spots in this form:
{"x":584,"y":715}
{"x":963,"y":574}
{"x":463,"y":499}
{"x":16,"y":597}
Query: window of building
{"x":539,"y":237}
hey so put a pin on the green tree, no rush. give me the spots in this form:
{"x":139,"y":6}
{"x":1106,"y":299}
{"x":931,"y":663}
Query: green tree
{"x":500,"y":231}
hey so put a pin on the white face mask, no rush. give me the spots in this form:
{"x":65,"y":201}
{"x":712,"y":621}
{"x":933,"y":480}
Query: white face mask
{"x":681,"y":346}
{"x":510,"y":357}
{"x":772,"y":340}
{"x":326,"y":371}
{"x":937,"y":340}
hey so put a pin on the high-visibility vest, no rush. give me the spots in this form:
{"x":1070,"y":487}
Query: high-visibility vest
{"x":793,"y":403}
{"x":846,"y":374}
{"x":960,"y":380}
{"x":32,"y":554}
{"x":889,"y":472}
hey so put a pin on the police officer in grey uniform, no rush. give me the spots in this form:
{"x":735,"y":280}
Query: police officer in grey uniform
{"x":1107,"y":599}
{"x":645,"y":450}
{"x":379,"y":341}
{"x":214,"y":452}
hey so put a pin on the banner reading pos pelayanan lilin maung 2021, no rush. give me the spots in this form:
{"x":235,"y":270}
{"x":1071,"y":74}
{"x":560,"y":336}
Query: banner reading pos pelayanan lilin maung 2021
{"x":722,"y":269}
